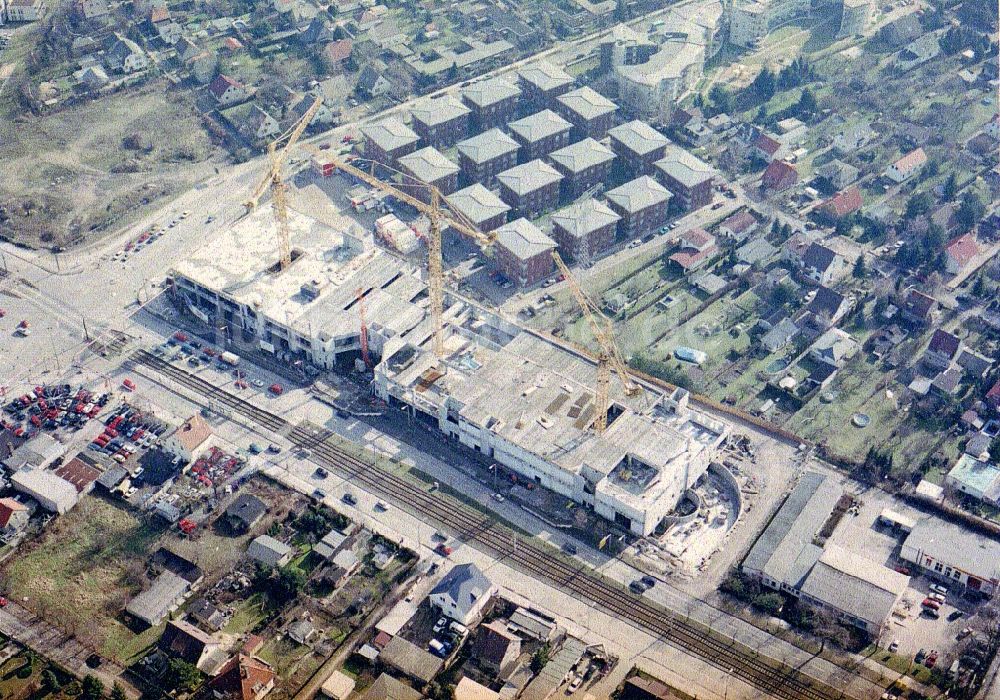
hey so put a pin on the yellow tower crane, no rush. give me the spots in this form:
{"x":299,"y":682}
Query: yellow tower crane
{"x":439,"y":215}
{"x":275,"y":180}
{"x":609,"y":355}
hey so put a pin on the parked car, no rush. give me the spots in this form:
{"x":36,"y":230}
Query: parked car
{"x":637,"y":587}
{"x":958,"y":614}
{"x":349,"y":499}
{"x":443,"y":549}
{"x":569,"y":548}
{"x":930,"y":603}
{"x":648,"y":581}
{"x":276,"y":389}
{"x":938,"y":588}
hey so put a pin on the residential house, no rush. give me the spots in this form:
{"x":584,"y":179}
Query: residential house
{"x":468,"y":689}
{"x":323,"y":118}
{"x":164,"y":596}
{"x":947,"y":382}
{"x":258,"y":126}
{"x":697,"y":247}
{"x":822,"y":265}
{"x":334,"y":541}
{"x":228,"y":91}
{"x":766,"y":148}
{"x":853,"y":138}
{"x":942,"y":350}
{"x":480,"y":206}
{"x":80,"y":473}
{"x":441,"y":121}
{"x":584,"y":229}
{"x":543,"y":82}
{"x":523,"y":252}
{"x":344,"y":564}
{"x":388,"y":140}
{"x":245,"y":512}
{"x":779,"y":335}
{"x":410,"y":660}
{"x":756,"y":252}
{"x":87,"y":9}
{"x":463,"y":594}
{"x":531,"y":188}
{"x":583,"y":164}
{"x":386,"y":687}
{"x":902,"y":30}
{"x":37,"y":453}
{"x":168,"y":32}
{"x":205,"y":613}
{"x":907,"y":166}
{"x":689,"y":179}
{"x":838,"y":173}
{"x":828,"y":308}
{"x":185,"y":641}
{"x":202,"y":66}
{"x":14,"y":516}
{"x":189,"y":440}
{"x":318,"y":31}
{"x":638,"y":146}
{"x":243,"y":677}
{"x":269,"y":551}
{"x":590,"y":112}
{"x":842,"y":204}
{"x":540,"y":133}
{"x":918,"y":308}
{"x":339,"y":686}
{"x":779,"y":176}
{"x":496,"y":649}
{"x":918,"y":52}
{"x":834,"y":347}
{"x":428,"y":167}
{"x":642,"y":204}
{"x":483,"y":157}
{"x":738,"y":227}
{"x":993,"y":396}
{"x":125,"y":56}
{"x":960,"y":252}
{"x":372,"y":82}
{"x":338,"y":52}
{"x":974,"y":364}
{"x":976,"y":478}
{"x":493,"y":102}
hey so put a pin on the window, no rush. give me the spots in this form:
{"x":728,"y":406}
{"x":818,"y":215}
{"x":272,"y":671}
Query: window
{"x":938,"y":567}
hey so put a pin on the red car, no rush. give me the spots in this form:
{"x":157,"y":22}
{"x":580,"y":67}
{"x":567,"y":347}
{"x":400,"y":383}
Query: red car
{"x":276,"y":389}
{"x":240,"y":384}
{"x":3,"y":602}
{"x":181,"y":337}
{"x":128,"y":384}
{"x":3,"y":312}
{"x":931,"y":603}
{"x":443,"y":549}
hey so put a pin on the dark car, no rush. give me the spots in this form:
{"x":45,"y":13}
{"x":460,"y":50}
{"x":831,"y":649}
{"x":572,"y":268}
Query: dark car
{"x":955,"y":615}
{"x":349,"y":499}
{"x":648,"y":581}
{"x":569,"y":548}
{"x":637,"y":587}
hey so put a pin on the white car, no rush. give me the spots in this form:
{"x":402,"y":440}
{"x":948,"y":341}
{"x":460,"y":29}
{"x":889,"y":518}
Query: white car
{"x":575,"y":685}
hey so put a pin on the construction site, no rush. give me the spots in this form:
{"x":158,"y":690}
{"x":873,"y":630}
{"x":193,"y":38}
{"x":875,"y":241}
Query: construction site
{"x":314,"y":284}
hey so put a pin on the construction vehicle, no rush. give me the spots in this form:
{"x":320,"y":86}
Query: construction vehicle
{"x":437,"y":212}
{"x":275,"y":181}
{"x":609,"y":356}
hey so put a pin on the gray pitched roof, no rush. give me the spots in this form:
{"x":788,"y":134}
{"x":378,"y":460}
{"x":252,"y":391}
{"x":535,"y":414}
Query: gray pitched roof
{"x":684,"y":167}
{"x":491,"y":91}
{"x":465,"y":583}
{"x":639,"y":137}
{"x":487,"y":146}
{"x":855,"y":585}
{"x":539,"y":125}
{"x":390,"y":134}
{"x":638,"y":194}
{"x":529,"y":177}
{"x":957,"y":547}
{"x":477,"y":203}
{"x":819,"y":257}
{"x":785,"y":551}
{"x":524,"y":240}
{"x":545,"y":76}
{"x":588,"y":103}
{"x":584,"y":217}
{"x":428,"y":165}
{"x":582,"y":155}
{"x":268,"y":550}
{"x":439,"y":110}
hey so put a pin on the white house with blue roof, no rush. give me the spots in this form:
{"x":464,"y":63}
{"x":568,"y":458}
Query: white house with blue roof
{"x":463,"y":594}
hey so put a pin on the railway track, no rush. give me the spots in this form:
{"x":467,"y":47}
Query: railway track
{"x":730,"y":656}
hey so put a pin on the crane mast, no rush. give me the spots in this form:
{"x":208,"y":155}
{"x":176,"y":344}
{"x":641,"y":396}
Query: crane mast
{"x":609,"y":356}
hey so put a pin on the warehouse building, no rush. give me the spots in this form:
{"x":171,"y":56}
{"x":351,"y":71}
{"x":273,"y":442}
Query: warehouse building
{"x":524,"y":253}
{"x":790,"y":557}
{"x":428,"y":166}
{"x":585,"y":229}
{"x":642,"y":204}
{"x":530,"y":189}
{"x":441,"y":121}
{"x":528,"y":404}
{"x":540,"y":133}
{"x":388,"y":140}
{"x":688,"y":178}
{"x":583,"y":165}
{"x":52,"y":492}
{"x":590,"y":112}
{"x":307,"y":313}
{"x":493,"y":102}
{"x":543,"y":82}
{"x":638,"y":145}
{"x":480,"y":206}
{"x":949,"y":552}
{"x":484,"y":156}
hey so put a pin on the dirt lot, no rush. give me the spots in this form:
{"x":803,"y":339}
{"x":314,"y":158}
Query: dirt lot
{"x":65,"y":183}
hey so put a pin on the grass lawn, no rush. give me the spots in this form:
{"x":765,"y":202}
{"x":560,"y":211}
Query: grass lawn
{"x":83,"y":570}
{"x":284,"y":654}
{"x":247,"y":615}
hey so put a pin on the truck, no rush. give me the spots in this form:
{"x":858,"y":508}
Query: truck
{"x":230,"y":358}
